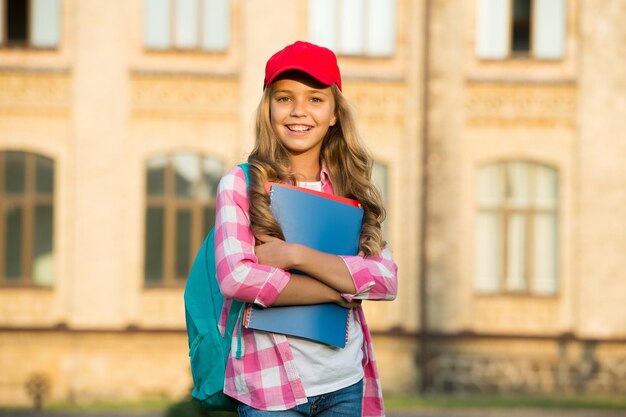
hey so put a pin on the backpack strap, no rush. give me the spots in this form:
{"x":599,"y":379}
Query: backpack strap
{"x":246,"y":170}
{"x":238,"y":304}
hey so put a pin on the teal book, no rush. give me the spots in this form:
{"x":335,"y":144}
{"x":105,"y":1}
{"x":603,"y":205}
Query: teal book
{"x":323,"y":222}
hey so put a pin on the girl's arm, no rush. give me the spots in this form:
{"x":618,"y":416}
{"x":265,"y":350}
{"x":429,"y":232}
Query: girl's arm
{"x":327,"y":268}
{"x":302,"y":289}
{"x":239,"y":273}
{"x":372,"y":278}
{"x":375,"y":277}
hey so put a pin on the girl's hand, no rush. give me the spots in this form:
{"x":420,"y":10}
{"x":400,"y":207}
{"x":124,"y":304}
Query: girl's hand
{"x":275,"y":252}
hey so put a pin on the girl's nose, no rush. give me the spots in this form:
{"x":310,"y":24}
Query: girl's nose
{"x":298,"y":109}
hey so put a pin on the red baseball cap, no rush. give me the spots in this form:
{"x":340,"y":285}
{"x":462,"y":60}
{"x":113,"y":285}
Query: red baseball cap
{"x":316,"y":61}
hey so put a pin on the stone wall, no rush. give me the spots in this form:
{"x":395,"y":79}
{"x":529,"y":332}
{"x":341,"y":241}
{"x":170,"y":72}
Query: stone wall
{"x":88,"y":366}
{"x":564,"y":367}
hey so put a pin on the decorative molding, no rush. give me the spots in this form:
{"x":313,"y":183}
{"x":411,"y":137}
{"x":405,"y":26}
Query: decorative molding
{"x":385,"y":101}
{"x":184,"y":96}
{"x":14,"y":112}
{"x":521,"y":104}
{"x":34,"y":94}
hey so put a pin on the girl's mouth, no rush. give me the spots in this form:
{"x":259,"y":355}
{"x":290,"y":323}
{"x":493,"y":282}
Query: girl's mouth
{"x":299,"y":128}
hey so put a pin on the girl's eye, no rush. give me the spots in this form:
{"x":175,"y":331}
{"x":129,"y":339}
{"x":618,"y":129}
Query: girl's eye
{"x":316,"y":99}
{"x":282,"y":99}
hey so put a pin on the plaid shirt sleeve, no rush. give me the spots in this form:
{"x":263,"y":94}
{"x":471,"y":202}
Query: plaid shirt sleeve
{"x":375,"y":277}
{"x":239,"y":274}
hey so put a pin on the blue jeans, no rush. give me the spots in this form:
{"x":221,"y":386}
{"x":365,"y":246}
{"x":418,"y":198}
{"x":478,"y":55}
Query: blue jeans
{"x":345,"y":402}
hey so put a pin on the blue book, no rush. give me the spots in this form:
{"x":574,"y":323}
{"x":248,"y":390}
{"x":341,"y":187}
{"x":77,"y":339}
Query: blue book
{"x":323,"y":323}
{"x":323,"y":222}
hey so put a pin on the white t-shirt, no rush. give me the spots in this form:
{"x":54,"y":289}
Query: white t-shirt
{"x":325,"y":368}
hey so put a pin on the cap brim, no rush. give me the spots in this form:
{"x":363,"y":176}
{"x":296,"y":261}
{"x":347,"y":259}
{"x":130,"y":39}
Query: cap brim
{"x":324,"y":79}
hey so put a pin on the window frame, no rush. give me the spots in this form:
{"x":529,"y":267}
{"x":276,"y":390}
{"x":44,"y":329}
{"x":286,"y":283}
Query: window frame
{"x":172,"y":205}
{"x":27,"y":202}
{"x":172,"y":42}
{"x":504,"y":211}
{"x":28,"y":43}
{"x":483,"y":52}
{"x":337,"y":38}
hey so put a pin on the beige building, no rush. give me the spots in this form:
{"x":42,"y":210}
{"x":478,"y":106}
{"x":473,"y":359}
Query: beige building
{"x":498,"y":132}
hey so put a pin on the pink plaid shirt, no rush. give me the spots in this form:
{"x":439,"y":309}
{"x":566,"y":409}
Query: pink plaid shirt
{"x":265,"y":377}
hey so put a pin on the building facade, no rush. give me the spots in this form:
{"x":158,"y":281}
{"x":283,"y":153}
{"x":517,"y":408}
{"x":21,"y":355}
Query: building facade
{"x":500,"y":150}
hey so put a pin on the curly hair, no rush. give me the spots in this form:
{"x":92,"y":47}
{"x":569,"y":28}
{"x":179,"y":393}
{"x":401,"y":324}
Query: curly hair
{"x":348,"y":162}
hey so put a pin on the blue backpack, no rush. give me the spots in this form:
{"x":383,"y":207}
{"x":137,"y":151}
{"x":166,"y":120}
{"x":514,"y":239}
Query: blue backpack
{"x":208,"y":349}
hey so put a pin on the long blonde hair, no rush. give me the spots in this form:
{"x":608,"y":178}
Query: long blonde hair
{"x":346,"y":158}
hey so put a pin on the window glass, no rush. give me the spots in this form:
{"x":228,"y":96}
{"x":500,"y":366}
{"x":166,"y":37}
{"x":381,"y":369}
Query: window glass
{"x":492,"y":28}
{"x":490,"y":187}
{"x":534,"y":28}
{"x":2,"y":19}
{"x":186,"y":24}
{"x":488,"y":248}
{"x":17,"y":21}
{"x":545,"y":254}
{"x":43,"y":262}
{"x":516,"y":253}
{"x":518,"y":184}
{"x":354,"y":27}
{"x":351,"y":30}
{"x":154,"y":244}
{"x":180,"y":210}
{"x":45,"y":23}
{"x":546,"y":187}
{"x":183,"y":240}
{"x":156,"y":176}
{"x":549,"y":28}
{"x":516,"y":238}
{"x":15,"y":168}
{"x":26,"y":219}
{"x":209,"y":218}
{"x":44,"y":183}
{"x":157,"y":24}
{"x":323,"y":23}
{"x":187,"y":171}
{"x":13,"y":241}
{"x":521,"y":26}
{"x":381,"y":23}
{"x":216,"y":28}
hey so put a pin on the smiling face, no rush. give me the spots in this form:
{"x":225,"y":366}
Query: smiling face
{"x":301,"y":113}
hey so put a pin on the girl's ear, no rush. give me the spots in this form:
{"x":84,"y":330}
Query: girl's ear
{"x":333,"y":120}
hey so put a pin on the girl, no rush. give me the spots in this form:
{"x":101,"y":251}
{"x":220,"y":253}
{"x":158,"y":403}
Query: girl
{"x":305,"y":135}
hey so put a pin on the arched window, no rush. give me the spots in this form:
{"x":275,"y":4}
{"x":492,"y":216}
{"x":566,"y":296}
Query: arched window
{"x":180,"y":210}
{"x":26,"y":219}
{"x":516,"y":234}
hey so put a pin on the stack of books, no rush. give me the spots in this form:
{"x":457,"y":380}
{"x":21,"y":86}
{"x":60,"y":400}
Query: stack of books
{"x":324,"y":222}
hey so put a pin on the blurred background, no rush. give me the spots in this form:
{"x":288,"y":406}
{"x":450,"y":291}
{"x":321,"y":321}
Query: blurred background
{"x":498,"y":128}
